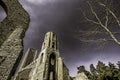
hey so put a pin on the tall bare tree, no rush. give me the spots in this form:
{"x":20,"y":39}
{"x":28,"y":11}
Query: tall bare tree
{"x":104,"y":17}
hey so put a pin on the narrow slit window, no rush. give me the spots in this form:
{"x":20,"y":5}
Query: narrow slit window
{"x":41,"y":60}
{"x":53,"y":45}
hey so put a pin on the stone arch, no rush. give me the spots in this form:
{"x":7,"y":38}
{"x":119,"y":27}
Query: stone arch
{"x":3,"y":5}
{"x":52,"y":67}
{"x":17,"y":21}
{"x":52,"y":59}
{"x":53,"y":45}
{"x":16,"y":16}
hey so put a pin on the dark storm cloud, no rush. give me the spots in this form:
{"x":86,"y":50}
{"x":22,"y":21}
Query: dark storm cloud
{"x":62,"y":17}
{"x":49,"y":17}
{"x":0,"y":8}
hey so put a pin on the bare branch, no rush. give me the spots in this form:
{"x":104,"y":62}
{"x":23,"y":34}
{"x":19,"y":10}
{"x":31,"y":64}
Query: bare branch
{"x":97,"y":32}
{"x":94,"y":13}
{"x":95,"y":40}
{"x":106,"y":22}
{"x":107,"y":19}
{"x":90,"y":20}
{"x":111,"y":12}
{"x":112,"y":36}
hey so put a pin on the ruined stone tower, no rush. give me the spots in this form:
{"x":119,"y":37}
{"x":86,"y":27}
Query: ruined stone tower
{"x":47,"y":65}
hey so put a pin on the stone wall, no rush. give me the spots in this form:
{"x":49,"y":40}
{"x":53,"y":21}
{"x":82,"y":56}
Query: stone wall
{"x":12,"y":30}
{"x":81,"y":76}
{"x":16,"y":17}
{"x":65,"y":72}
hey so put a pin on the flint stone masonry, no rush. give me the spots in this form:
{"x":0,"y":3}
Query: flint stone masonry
{"x":12,"y":30}
{"x":16,"y":16}
{"x":11,"y":45}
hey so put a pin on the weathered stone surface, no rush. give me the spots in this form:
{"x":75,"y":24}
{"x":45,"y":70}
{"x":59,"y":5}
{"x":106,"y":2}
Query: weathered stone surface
{"x":48,"y":65}
{"x":16,"y":17}
{"x":81,"y":76}
{"x":10,"y":49}
{"x":12,"y":30}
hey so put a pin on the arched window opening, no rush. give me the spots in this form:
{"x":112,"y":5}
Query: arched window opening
{"x":2,"y":13}
{"x":52,"y":60}
{"x":52,"y":65}
{"x":53,"y":34}
{"x":41,"y":58}
{"x":53,"y":45}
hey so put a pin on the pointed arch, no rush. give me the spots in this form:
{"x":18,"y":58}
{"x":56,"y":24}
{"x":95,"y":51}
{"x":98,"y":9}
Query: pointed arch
{"x":52,"y":67}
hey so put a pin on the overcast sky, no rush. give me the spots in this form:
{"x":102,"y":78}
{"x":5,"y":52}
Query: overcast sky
{"x":63,"y":17}
{"x":2,"y":14}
